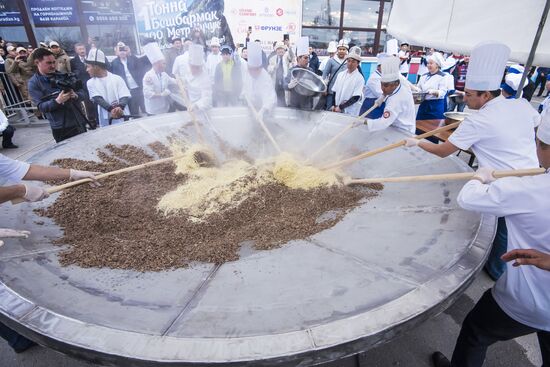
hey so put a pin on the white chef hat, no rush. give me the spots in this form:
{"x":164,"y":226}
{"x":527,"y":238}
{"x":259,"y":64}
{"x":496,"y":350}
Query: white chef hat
{"x":381,"y":56}
{"x":392,"y":47}
{"x":215,"y":41}
{"x":153,"y":52}
{"x":355,"y":53}
{"x":511,"y":83}
{"x":302,"y":46}
{"x":437,"y":57}
{"x":96,"y":57}
{"x":196,"y":55}
{"x":254,"y":55}
{"x":332,"y":46}
{"x":486,"y":67}
{"x":543,"y":131}
{"x":390,"y":69}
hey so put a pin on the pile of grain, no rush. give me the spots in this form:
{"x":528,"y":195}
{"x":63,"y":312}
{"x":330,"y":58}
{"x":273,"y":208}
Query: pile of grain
{"x":119,"y":226}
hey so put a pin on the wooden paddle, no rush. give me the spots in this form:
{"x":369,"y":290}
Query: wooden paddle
{"x":370,"y":153}
{"x":343,"y":131}
{"x":67,"y":185}
{"x":446,"y":177}
{"x":262,"y":124}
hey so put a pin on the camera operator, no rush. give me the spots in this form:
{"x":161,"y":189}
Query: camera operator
{"x":58,"y":103}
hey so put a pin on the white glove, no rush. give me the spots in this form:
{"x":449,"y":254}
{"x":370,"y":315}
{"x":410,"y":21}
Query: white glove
{"x":165,"y":93}
{"x":76,"y":175}
{"x":433,"y":92}
{"x":293,"y":83}
{"x":34,"y":193}
{"x":380,"y":100}
{"x":485,"y":175}
{"x":411,"y":142}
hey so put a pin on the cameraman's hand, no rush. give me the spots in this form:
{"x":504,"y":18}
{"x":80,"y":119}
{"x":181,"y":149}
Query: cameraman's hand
{"x":73,"y":94}
{"x":63,"y":97}
{"x":117,"y":113}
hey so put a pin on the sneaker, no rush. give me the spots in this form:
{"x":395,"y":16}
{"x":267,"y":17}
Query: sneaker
{"x":439,"y":360}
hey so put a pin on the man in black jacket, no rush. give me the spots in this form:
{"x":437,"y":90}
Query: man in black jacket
{"x":131,"y":69}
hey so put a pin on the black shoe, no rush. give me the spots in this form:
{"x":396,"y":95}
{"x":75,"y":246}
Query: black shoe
{"x":23,"y":344}
{"x":439,"y":360}
{"x":9,"y":146}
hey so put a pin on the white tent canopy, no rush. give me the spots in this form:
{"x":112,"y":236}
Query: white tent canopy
{"x":458,"y":25}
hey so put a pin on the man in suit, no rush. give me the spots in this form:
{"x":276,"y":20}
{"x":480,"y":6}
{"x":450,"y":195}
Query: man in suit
{"x":131,"y":69}
{"x":78,"y":66}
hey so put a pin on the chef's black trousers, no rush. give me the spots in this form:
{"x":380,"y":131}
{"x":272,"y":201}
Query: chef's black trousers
{"x":487,"y":324}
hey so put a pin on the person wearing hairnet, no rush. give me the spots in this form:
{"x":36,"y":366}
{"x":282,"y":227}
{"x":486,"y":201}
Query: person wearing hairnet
{"x":435,"y":84}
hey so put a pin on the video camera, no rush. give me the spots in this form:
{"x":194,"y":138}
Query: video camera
{"x":65,"y":81}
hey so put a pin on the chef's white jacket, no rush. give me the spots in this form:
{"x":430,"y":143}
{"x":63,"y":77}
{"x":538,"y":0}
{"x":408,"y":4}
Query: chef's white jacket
{"x":373,"y":88}
{"x":199,"y":89}
{"x":398,"y":112}
{"x":501,"y":134}
{"x":153,"y":85}
{"x":260,"y":90}
{"x":12,"y":170}
{"x":437,"y":82}
{"x":346,"y":86}
{"x":522,"y":292}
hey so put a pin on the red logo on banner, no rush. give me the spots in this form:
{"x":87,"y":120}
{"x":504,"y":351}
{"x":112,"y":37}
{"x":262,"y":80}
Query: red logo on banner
{"x":279,"y":12}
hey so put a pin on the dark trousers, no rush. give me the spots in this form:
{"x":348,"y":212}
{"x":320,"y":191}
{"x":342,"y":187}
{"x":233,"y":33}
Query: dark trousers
{"x":541,"y":79}
{"x":330,"y":102}
{"x":65,"y":133}
{"x":15,"y":340}
{"x":487,"y":324}
{"x":281,"y":100}
{"x":7,"y":135}
{"x":137,"y":102}
{"x":494,"y":265}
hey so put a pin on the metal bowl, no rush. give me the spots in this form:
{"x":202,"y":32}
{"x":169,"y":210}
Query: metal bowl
{"x":419,"y":97}
{"x":309,"y":83}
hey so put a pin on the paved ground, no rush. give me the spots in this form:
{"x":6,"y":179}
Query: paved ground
{"x":411,"y":349}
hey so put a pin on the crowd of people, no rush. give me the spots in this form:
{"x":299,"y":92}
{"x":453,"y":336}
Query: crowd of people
{"x":502,"y":133}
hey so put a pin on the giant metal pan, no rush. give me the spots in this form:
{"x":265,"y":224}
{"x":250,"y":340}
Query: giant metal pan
{"x":309,"y":83}
{"x":390,"y":264}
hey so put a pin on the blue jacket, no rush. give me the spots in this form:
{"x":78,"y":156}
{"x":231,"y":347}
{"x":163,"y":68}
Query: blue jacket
{"x":59,"y":115}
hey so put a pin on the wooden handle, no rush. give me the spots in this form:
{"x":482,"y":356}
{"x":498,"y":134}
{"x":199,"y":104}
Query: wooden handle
{"x":370,"y":153}
{"x":67,"y":185}
{"x":261,"y":121}
{"x":189,"y":110}
{"x":447,"y":176}
{"x":342,"y":132}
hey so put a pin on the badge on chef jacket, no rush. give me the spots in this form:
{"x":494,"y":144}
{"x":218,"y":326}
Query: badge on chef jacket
{"x":386,"y":114}
{"x":148,"y":80}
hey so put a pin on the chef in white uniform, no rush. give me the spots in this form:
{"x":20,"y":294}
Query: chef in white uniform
{"x":213,"y":58}
{"x":436,"y":83}
{"x":108,"y":91}
{"x":158,"y":86}
{"x":348,"y":88}
{"x":519,"y":303}
{"x":398,"y":105}
{"x":257,"y":84}
{"x":197,"y":82}
{"x":511,"y":85}
{"x":501,"y":134}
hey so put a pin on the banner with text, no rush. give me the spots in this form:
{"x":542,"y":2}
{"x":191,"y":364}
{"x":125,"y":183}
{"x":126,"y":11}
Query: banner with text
{"x":229,"y":20}
{"x":9,"y":13}
{"x":50,"y":12}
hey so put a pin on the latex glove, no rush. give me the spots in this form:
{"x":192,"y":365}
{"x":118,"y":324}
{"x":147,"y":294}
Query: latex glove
{"x":293,"y":83}
{"x":485,"y":175}
{"x":12,"y":233}
{"x":79,"y":175}
{"x":380,"y":100}
{"x":411,"y":142}
{"x":34,"y":193}
{"x":165,"y":93}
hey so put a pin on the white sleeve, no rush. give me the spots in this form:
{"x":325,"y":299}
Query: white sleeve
{"x":148,"y":86}
{"x":358,"y":87}
{"x":388,"y":117}
{"x":92,"y":90}
{"x":505,"y":196}
{"x":12,"y":170}
{"x":443,"y":86}
{"x":465,"y":135}
{"x":336,"y":84}
{"x":269,"y":98}
{"x":375,"y":86}
{"x":205,"y":102}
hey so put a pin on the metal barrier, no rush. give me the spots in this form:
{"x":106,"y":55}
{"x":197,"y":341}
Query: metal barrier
{"x":12,"y":102}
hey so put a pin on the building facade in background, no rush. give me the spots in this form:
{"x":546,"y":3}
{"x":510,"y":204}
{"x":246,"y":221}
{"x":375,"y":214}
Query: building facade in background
{"x":106,"y":22}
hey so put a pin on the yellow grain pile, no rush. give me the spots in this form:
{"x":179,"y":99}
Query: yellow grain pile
{"x":210,"y":190}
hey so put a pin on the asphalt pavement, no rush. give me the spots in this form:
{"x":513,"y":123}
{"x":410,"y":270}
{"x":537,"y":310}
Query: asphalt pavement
{"x":411,"y":349}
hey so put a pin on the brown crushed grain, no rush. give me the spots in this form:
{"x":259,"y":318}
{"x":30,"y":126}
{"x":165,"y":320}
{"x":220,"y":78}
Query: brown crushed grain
{"x":117,"y":225}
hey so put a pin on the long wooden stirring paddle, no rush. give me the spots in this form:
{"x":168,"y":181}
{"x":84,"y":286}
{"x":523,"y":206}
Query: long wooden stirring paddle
{"x":370,"y":153}
{"x":262,"y":124}
{"x":446,"y":176}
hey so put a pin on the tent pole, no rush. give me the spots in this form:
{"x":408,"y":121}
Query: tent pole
{"x":534,"y":46}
